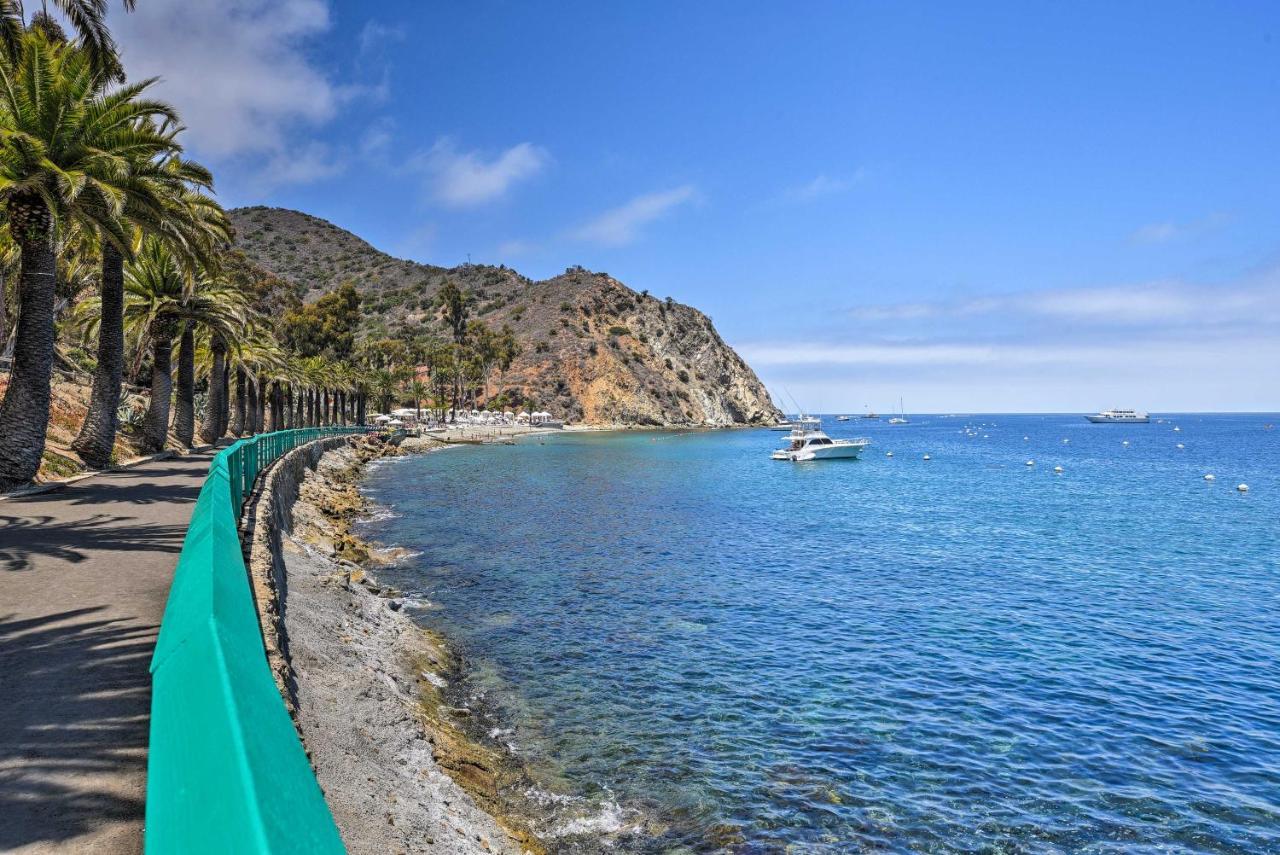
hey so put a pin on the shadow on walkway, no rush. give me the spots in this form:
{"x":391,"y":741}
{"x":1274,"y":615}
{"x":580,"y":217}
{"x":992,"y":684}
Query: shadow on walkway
{"x":76,"y":693}
{"x":26,"y":538}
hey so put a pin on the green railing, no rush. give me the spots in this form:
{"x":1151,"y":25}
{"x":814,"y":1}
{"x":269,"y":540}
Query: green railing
{"x":226,"y":770}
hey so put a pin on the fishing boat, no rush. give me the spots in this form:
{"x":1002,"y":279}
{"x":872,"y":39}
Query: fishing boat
{"x":1129,"y":417}
{"x":842,"y":418}
{"x":809,"y":442}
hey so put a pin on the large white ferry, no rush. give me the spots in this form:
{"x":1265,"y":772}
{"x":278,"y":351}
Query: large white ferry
{"x":808,"y":442}
{"x":1124,"y":416}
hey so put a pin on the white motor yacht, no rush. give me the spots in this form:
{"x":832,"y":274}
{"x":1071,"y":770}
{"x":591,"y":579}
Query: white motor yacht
{"x":808,"y":442}
{"x":1123,"y":416}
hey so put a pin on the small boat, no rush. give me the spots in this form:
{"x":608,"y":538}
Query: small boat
{"x":842,"y":418}
{"x":799,"y":421}
{"x":808,"y":442}
{"x":901,"y":417}
{"x":1129,"y":417}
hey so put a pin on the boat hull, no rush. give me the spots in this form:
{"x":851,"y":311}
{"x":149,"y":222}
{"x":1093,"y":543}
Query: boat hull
{"x":1109,"y":420}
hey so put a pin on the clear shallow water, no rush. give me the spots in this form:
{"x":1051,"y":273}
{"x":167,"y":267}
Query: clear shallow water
{"x":721,"y":652}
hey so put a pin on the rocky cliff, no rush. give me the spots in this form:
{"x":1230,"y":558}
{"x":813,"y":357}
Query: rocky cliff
{"x":592,"y":349}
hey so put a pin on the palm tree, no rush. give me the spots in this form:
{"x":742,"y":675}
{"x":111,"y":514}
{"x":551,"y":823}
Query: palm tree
{"x":163,"y":301}
{"x":64,"y":147}
{"x":417,"y":390}
{"x":89,"y":17}
{"x":165,"y":197}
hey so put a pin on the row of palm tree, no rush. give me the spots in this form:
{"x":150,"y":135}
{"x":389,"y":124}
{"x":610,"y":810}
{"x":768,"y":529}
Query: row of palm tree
{"x":92,"y":168}
{"x":96,"y":194}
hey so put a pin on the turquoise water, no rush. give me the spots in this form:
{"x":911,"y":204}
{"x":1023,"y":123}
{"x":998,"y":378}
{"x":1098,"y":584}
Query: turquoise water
{"x":699,"y":649}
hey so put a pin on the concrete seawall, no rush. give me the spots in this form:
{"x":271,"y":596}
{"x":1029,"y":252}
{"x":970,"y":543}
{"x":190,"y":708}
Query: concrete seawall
{"x":267,"y":519}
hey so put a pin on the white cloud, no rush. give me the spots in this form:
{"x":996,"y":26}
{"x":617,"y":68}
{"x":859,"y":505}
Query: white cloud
{"x":237,"y":70}
{"x":467,"y":178}
{"x":825,"y":185}
{"x":375,"y":142}
{"x":1159,"y":373}
{"x":1152,"y":304}
{"x":1164,"y":232}
{"x":308,"y":163}
{"x":622,"y":225}
{"x":1155,"y":233}
{"x":510,"y":248}
{"x":375,"y":35}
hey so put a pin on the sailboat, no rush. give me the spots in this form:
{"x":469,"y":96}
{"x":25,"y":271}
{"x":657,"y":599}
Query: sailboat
{"x":901,"y":418}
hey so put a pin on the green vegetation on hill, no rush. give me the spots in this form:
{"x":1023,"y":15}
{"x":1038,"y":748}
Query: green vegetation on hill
{"x":587,"y":347}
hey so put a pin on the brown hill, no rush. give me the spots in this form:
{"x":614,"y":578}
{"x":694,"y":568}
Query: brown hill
{"x":592,"y":349}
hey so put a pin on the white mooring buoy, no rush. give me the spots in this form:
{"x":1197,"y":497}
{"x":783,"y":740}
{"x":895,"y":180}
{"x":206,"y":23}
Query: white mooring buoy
{"x":1031,"y":463}
{"x":1209,"y":477}
{"x":1180,"y":445}
{"x":1057,"y":469}
{"x":1243,"y":488}
{"x":926,"y":457}
{"x":888,"y":454}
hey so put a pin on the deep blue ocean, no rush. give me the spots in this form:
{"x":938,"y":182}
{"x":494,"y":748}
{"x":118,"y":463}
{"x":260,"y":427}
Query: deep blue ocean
{"x":695,"y":648}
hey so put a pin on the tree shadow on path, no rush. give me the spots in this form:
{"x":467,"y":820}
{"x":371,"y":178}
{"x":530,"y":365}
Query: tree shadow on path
{"x":75,"y":693}
{"x":23,"y":539}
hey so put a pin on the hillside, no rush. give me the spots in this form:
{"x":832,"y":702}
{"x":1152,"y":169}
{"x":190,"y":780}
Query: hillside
{"x":592,"y":349}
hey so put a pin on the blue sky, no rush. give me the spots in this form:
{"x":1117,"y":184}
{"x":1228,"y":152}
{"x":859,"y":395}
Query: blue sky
{"x":977,"y":207}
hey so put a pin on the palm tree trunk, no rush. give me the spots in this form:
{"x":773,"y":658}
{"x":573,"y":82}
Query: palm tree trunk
{"x":238,"y":414}
{"x":260,"y":417}
{"x":98,"y":433}
{"x":360,"y":404}
{"x":224,"y":416}
{"x":289,"y":412}
{"x":24,"y":413}
{"x":251,"y":401}
{"x":155,"y":430}
{"x":4,"y":314}
{"x":184,"y":415}
{"x":211,"y":426}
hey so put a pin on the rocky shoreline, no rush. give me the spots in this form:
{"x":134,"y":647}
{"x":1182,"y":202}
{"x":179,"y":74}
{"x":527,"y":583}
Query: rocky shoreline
{"x":367,"y":686}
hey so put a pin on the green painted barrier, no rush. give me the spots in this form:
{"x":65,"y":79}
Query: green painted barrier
{"x":226,"y":771}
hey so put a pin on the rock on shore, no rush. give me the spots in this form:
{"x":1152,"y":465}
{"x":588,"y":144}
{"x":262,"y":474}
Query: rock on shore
{"x":367,"y":685}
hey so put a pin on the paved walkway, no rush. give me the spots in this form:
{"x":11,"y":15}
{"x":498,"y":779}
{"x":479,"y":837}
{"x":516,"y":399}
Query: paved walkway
{"x":84,"y":575}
